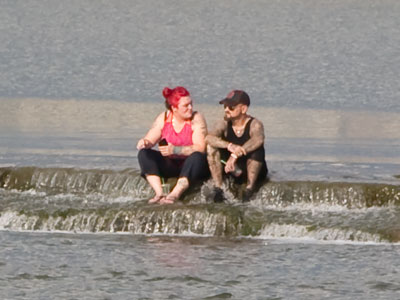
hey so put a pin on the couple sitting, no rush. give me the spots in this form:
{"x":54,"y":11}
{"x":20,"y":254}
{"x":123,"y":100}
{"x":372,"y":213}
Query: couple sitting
{"x":235,"y":146}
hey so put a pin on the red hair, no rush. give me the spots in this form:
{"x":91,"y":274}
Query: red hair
{"x":173,"y":96}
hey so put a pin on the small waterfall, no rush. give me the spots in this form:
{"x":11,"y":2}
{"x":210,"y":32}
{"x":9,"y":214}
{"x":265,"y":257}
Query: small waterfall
{"x":75,"y":200}
{"x":141,"y":219}
{"x":76,"y":181}
{"x":129,"y":183}
{"x":344,"y":194}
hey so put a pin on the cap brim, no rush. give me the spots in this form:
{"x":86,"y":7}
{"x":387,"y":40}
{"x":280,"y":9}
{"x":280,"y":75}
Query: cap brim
{"x":223,"y":101}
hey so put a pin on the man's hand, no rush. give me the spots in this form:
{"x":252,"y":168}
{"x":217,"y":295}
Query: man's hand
{"x":230,"y":165}
{"x":236,"y":149}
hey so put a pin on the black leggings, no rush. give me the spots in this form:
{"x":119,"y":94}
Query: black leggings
{"x":194,"y":167}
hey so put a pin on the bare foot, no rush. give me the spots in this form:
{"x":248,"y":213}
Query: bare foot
{"x":156,"y":199}
{"x":169,"y":199}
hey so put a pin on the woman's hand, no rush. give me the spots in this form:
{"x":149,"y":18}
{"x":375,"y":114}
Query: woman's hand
{"x":144,"y":144}
{"x":166,"y":150}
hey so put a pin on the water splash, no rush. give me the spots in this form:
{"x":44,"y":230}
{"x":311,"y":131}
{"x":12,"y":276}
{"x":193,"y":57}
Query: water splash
{"x":76,"y":200}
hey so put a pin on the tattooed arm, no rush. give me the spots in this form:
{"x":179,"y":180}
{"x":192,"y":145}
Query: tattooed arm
{"x":256,"y":136}
{"x":199,"y":128}
{"x":153,"y":135}
{"x":214,"y":138}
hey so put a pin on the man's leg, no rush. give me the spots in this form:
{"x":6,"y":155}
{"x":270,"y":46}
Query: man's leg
{"x":253,"y":171}
{"x":216,"y":170}
{"x":214,"y":163}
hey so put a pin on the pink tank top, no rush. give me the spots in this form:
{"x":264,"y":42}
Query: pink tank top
{"x":182,"y":138}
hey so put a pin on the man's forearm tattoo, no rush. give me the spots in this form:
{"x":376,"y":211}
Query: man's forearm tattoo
{"x":217,"y":142}
{"x":215,"y":137}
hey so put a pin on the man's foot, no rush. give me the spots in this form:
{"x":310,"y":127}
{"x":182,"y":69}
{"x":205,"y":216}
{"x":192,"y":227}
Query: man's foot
{"x":156,"y":199}
{"x":219,"y":196}
{"x":169,"y":199}
{"x":247,"y":194}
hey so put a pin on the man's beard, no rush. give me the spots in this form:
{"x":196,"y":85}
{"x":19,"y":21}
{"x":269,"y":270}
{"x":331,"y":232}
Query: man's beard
{"x":226,"y":118}
{"x":230,"y":118}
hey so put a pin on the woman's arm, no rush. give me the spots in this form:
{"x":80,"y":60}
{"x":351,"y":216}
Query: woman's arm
{"x":199,"y":127}
{"x":153,"y":135}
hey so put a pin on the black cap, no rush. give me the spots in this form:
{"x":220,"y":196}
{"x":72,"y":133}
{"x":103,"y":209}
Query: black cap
{"x":235,"y":97}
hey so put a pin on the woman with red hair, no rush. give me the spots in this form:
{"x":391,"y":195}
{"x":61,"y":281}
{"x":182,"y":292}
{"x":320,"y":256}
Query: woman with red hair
{"x":181,"y":134}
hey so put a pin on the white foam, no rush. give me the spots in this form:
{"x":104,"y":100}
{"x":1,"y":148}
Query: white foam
{"x":290,"y":232}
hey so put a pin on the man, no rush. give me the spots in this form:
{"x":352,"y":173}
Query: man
{"x":237,"y":141}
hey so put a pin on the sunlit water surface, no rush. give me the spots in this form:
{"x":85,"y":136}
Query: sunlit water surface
{"x":81,"y":81}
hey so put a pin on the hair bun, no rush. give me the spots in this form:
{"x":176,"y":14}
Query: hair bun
{"x":166,"y":92}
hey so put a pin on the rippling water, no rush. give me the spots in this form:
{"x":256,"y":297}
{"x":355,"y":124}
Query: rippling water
{"x":140,"y":267}
{"x":81,"y":81}
{"x":309,"y":53}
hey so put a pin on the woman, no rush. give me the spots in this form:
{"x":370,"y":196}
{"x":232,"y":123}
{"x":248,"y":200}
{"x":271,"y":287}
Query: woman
{"x":183,"y":154}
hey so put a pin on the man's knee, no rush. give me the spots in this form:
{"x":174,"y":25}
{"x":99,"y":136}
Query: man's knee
{"x":213,"y":155}
{"x":253,"y":166}
{"x":211,"y":150}
{"x":255,"y":169}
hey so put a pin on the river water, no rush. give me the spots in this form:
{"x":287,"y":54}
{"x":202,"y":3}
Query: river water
{"x":81,"y":82}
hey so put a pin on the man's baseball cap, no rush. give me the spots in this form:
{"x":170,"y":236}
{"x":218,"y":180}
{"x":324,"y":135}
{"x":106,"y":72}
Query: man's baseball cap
{"x":235,"y":97}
